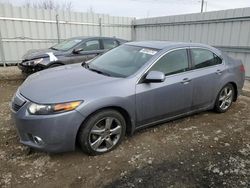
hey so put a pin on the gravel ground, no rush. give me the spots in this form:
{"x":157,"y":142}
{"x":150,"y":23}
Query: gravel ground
{"x":11,"y":73}
{"x":203,"y":150}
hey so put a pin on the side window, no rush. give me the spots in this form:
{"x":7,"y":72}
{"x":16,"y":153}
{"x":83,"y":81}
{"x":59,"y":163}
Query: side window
{"x":109,"y":43}
{"x":217,"y":60}
{"x":204,"y":58}
{"x":91,"y":45}
{"x":172,"y":63}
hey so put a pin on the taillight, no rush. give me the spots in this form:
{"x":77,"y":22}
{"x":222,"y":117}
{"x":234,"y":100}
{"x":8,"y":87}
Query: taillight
{"x":242,"y":68}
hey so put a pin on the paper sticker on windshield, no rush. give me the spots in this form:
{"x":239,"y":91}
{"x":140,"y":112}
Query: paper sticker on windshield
{"x":148,"y":51}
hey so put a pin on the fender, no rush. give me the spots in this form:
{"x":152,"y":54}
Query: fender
{"x":225,"y":79}
{"x":127,"y":104}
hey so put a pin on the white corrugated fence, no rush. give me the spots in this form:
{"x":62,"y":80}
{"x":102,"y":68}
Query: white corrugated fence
{"x":22,"y":29}
{"x":228,"y":30}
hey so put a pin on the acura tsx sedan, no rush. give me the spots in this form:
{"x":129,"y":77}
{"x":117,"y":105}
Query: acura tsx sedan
{"x":135,"y":85}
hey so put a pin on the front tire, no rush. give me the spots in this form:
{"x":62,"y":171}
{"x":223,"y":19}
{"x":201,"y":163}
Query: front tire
{"x":224,"y":99}
{"x":55,"y":65}
{"x":102,"y":132}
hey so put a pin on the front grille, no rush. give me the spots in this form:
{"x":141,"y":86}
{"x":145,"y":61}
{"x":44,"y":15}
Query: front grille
{"x":17,"y":102}
{"x":16,"y":107}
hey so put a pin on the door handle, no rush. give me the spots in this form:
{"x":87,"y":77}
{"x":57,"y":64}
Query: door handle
{"x":186,"y":81}
{"x":219,"y":71}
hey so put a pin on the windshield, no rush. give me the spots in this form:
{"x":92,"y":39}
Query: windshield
{"x":66,"y":45}
{"x":122,"y":61}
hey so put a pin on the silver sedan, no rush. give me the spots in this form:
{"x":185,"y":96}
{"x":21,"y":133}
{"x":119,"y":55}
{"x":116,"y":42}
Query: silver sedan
{"x":133,"y":86}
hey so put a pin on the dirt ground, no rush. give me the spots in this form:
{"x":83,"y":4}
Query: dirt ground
{"x":203,"y":150}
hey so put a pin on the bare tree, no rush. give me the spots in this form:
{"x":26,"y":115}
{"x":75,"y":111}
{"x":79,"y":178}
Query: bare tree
{"x":91,"y":10}
{"x":49,"y":5}
{"x":67,"y":6}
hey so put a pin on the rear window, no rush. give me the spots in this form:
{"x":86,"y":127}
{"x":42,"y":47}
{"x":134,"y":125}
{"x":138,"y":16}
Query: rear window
{"x":109,"y":43}
{"x":204,"y":58}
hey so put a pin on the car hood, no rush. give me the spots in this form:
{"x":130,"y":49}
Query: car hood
{"x":41,"y":53}
{"x":63,"y":84}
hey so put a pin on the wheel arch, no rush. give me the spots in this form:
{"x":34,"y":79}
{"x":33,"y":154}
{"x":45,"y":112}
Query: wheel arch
{"x":129,"y":122}
{"x":56,"y":63}
{"x":235,"y":90}
{"x":234,"y":86}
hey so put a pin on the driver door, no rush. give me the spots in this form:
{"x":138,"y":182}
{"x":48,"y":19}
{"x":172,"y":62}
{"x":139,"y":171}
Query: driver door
{"x":90,"y":49}
{"x":172,"y":97}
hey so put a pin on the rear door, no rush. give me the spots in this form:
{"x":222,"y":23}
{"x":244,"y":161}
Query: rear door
{"x":109,"y":43}
{"x":208,"y":68}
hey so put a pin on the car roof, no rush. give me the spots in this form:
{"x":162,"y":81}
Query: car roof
{"x":94,"y":37}
{"x":160,"y":45}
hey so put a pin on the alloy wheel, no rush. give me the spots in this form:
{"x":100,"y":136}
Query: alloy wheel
{"x":105,"y":134}
{"x":226,"y":98}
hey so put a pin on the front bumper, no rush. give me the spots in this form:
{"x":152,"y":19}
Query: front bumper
{"x":58,"y":131}
{"x":30,"y":68}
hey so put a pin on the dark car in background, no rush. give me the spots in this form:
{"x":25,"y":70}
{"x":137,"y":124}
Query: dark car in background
{"x":73,"y":50}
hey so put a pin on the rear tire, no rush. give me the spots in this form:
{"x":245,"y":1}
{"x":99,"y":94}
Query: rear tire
{"x":225,"y":98}
{"x":102,"y":132}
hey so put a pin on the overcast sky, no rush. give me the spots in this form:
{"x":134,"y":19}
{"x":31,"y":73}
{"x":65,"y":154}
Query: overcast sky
{"x":147,"y":8}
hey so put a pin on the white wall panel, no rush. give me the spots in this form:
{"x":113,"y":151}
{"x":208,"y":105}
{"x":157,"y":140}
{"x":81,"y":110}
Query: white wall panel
{"x":23,"y":29}
{"x":227,"y":29}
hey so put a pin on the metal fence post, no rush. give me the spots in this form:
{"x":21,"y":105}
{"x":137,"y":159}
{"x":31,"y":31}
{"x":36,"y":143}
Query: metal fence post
{"x":100,"y":27}
{"x":2,"y":51}
{"x":58,"y":28}
{"x":133,"y":30}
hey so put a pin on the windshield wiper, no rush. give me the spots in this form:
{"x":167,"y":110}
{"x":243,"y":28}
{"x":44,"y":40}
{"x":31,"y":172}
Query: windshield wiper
{"x":99,"y":72}
{"x":53,"y":48}
{"x":86,"y":66}
{"x":95,"y":70}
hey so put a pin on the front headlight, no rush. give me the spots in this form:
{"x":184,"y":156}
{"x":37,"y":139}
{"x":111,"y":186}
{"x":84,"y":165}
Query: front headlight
{"x":37,"y":61}
{"x":40,"y":109}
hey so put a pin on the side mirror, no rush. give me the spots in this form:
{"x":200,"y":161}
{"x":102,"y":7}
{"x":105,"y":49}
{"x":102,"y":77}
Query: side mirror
{"x":77,"y":50}
{"x":154,"y":77}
